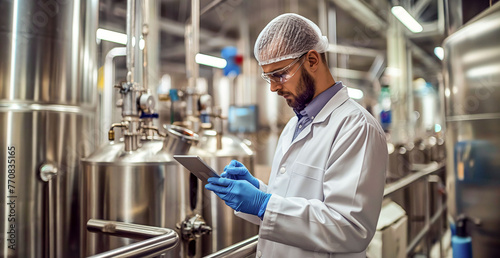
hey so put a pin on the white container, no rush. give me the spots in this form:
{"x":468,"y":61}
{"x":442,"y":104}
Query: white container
{"x":390,"y":239}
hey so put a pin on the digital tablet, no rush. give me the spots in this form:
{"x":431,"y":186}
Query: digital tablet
{"x":197,"y":166}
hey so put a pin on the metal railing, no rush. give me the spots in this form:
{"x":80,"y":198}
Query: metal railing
{"x":240,"y":249}
{"x":156,"y":240}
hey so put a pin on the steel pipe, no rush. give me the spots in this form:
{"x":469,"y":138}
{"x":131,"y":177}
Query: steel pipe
{"x":107,"y":92}
{"x":157,"y":240}
{"x":406,"y":181}
{"x":240,"y":249}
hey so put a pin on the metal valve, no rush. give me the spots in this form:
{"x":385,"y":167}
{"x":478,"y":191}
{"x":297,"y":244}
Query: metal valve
{"x":147,"y":102}
{"x":193,"y":227}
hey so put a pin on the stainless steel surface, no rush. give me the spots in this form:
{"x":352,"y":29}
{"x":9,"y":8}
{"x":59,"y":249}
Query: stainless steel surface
{"x":161,"y":239}
{"x":179,"y":139}
{"x":399,"y":161}
{"x":145,"y":186}
{"x":471,"y":65}
{"x":47,"y":109}
{"x":43,"y":57}
{"x":227,"y":229}
{"x":240,"y":249}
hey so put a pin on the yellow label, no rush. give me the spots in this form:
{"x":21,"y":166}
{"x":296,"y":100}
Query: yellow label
{"x":460,"y":171}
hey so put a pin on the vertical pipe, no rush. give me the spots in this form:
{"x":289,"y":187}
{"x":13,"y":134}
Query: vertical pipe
{"x":153,"y":76}
{"x":52,"y":222}
{"x":332,"y":35}
{"x":397,"y":61}
{"x":192,"y":46}
{"x":322,"y":16}
{"x":137,"y":37}
{"x":410,"y":121}
{"x":130,"y":43}
{"x":441,"y":17}
{"x":453,"y":15}
{"x":195,"y":38}
{"x":247,"y":90}
{"x":145,"y":32}
{"x":427,"y":216}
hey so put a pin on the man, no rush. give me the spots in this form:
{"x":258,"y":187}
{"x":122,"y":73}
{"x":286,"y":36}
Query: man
{"x":327,"y":180}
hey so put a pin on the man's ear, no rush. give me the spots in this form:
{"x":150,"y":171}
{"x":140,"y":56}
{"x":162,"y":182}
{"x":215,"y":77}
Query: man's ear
{"x":313,"y":60}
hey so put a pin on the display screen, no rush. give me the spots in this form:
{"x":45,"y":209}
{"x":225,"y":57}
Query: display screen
{"x":242,"y":119}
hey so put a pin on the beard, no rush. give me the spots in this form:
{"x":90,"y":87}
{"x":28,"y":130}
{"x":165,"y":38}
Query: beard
{"x":305,"y":92}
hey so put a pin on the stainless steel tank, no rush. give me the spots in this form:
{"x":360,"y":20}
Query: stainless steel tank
{"x":146,"y":186}
{"x":47,"y":109}
{"x":227,"y":229}
{"x":472,"y":94}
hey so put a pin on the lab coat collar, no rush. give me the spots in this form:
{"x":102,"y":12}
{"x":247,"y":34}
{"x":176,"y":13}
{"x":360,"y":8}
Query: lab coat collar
{"x":338,"y":99}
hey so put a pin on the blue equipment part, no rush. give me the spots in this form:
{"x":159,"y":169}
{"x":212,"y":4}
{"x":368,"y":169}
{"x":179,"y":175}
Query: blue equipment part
{"x":145,"y":115}
{"x":232,"y":68}
{"x":461,"y":242}
{"x":174,"y":96}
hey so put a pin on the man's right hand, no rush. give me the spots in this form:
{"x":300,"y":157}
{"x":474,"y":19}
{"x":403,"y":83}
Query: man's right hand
{"x":237,"y":171}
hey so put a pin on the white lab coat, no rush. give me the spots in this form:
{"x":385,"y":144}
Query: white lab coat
{"x":327,"y":185}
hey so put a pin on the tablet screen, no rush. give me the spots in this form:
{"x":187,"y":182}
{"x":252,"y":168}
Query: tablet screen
{"x":196,"y":166}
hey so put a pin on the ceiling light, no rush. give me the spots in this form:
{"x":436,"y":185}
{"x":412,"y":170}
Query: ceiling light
{"x":355,"y":93}
{"x":117,"y":37}
{"x":212,"y":61}
{"x":407,"y":19}
{"x":439,"y":52}
{"x":112,"y":36}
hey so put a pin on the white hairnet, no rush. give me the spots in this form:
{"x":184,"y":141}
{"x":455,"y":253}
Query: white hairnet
{"x":288,"y":36}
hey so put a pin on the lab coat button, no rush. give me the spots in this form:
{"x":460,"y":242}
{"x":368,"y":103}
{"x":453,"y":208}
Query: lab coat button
{"x":259,"y":253}
{"x":282,"y":170}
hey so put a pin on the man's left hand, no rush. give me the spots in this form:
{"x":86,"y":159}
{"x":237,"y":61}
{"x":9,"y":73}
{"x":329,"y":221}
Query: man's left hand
{"x":240,"y":195}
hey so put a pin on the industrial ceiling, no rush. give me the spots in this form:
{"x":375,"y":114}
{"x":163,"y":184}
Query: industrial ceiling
{"x":357,"y":25}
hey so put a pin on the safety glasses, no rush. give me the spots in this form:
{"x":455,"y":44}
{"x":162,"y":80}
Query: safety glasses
{"x":282,"y":75}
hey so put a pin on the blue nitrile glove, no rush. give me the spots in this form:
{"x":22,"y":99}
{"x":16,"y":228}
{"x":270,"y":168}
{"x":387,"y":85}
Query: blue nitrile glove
{"x":236,"y":170}
{"x":239,"y":195}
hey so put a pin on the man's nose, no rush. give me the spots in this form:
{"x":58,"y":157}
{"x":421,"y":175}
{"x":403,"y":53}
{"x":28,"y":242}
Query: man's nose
{"x":274,"y":86}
